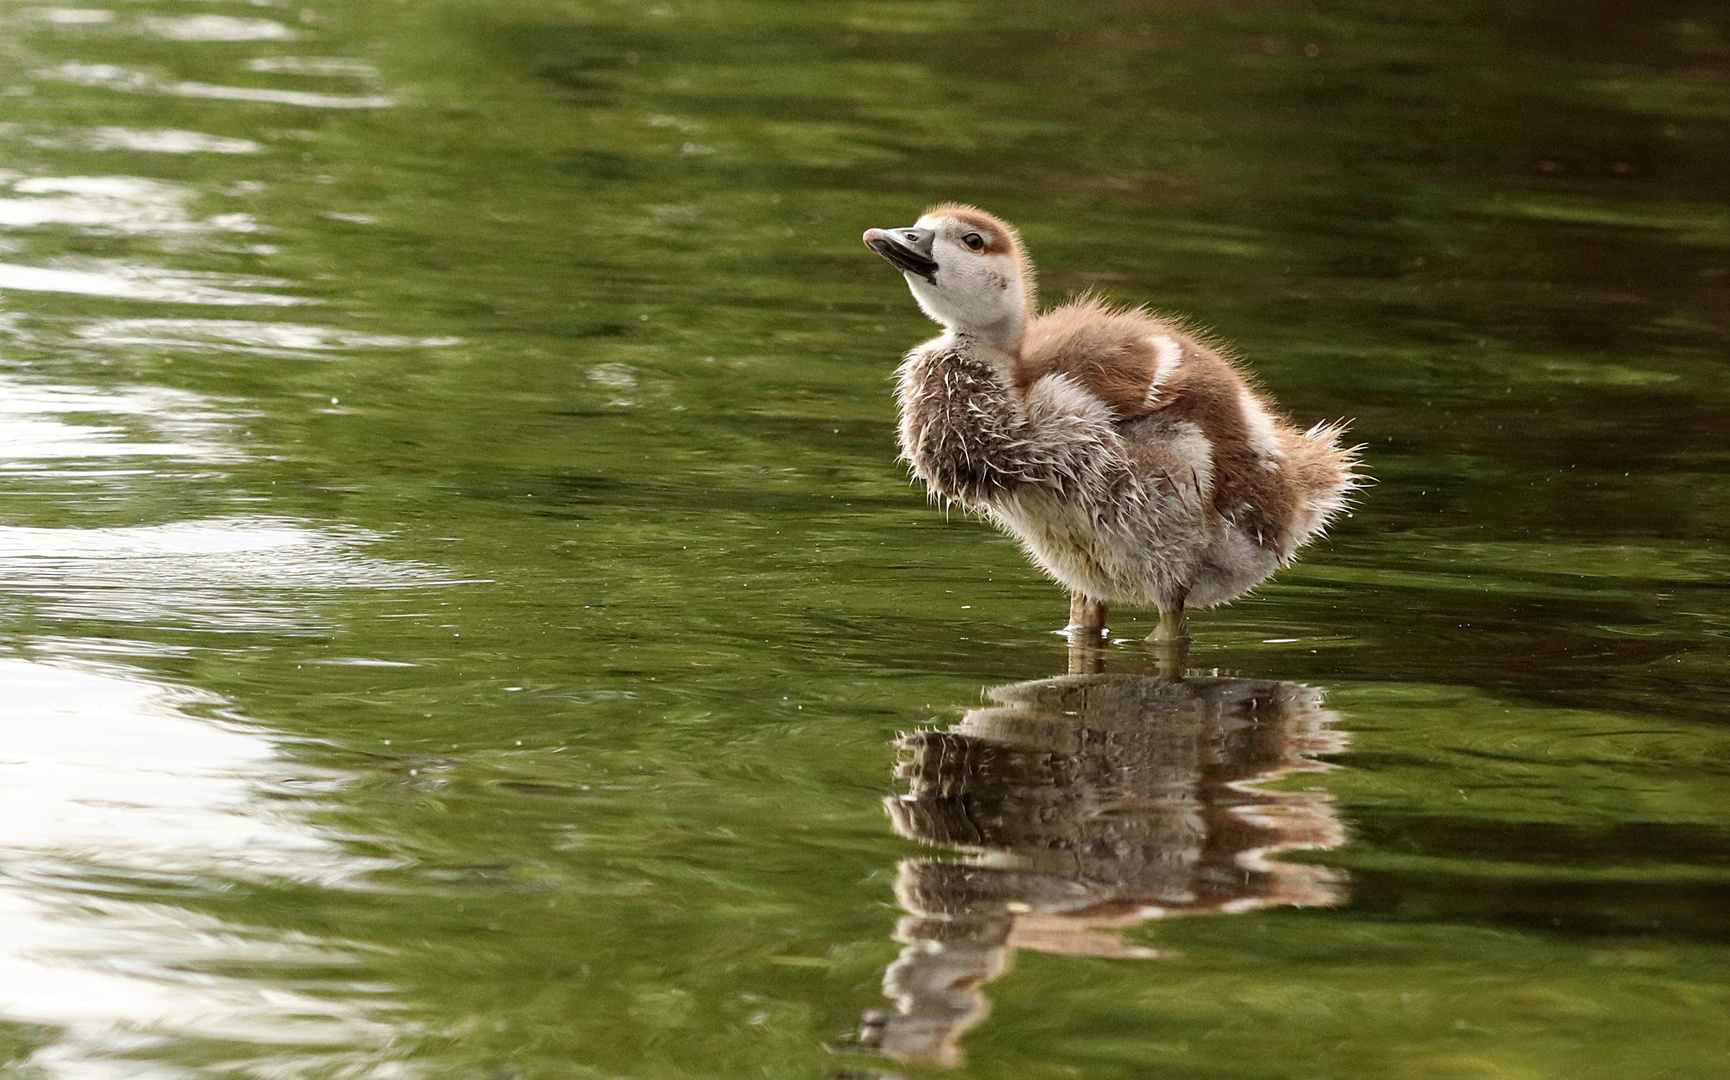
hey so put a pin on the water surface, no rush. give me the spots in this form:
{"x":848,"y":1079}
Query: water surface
{"x":463,"y":616}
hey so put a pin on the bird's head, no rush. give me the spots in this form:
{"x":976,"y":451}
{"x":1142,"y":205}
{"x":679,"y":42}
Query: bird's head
{"x":967,"y":270}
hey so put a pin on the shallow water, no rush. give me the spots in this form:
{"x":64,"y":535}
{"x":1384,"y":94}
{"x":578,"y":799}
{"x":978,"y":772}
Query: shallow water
{"x":463,"y":616}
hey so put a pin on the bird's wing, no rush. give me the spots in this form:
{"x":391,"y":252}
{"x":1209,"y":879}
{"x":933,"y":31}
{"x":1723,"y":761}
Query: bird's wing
{"x":1127,"y":359}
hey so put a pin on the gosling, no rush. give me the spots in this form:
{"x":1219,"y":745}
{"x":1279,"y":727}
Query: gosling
{"x":1131,"y":459}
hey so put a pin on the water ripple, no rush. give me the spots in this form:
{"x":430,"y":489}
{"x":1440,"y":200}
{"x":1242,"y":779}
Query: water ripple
{"x":112,"y":204}
{"x":159,"y":141}
{"x":113,"y":77}
{"x":174,"y":423}
{"x":320,"y":66}
{"x":217,"y":28}
{"x":72,"y":16}
{"x":106,"y":771}
{"x":130,"y":281}
{"x":228,"y":575}
{"x":277,"y":340}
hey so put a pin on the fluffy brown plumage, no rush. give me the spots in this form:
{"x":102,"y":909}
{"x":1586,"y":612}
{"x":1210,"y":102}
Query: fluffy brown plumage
{"x":1133,"y":460}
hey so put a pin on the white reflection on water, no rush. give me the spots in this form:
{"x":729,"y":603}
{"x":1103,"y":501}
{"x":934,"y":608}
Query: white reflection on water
{"x":112,"y":204}
{"x":158,"y":141}
{"x":113,"y":77}
{"x":105,"y":771}
{"x":217,"y":28}
{"x":130,"y":281}
{"x":97,"y":760}
{"x":281,"y":340}
{"x":228,"y":575}
{"x":72,"y":16}
{"x":328,"y":66}
{"x":280,"y":97}
{"x":125,"y":803}
{"x":142,"y":421}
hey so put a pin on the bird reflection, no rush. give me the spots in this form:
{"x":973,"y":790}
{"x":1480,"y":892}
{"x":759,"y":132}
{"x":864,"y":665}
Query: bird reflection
{"x":1083,"y":804}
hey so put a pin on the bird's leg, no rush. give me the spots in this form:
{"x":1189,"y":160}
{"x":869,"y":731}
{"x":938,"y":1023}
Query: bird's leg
{"x":1077,"y":611}
{"x":1086,"y":617}
{"x":1172,"y":624}
{"x":1086,"y":631}
{"x":1170,"y":640}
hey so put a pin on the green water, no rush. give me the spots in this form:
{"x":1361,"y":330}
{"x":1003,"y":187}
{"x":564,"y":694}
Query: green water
{"x":461,"y":606}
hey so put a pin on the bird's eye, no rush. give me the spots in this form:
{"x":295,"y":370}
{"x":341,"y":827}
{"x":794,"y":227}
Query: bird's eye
{"x":974,"y":241}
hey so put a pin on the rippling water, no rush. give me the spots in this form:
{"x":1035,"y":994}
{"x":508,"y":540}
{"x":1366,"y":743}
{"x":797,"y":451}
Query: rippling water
{"x":462,"y":615}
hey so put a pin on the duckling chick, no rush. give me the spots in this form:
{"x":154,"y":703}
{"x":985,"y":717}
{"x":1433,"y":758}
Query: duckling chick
{"x":1132,"y":460}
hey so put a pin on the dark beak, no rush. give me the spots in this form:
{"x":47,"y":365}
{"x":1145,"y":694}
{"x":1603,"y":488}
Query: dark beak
{"x":908,"y":250}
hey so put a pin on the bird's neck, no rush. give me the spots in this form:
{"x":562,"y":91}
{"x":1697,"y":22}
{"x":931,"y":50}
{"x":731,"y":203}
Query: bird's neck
{"x":997,"y":346}
{"x":1004,"y":332}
